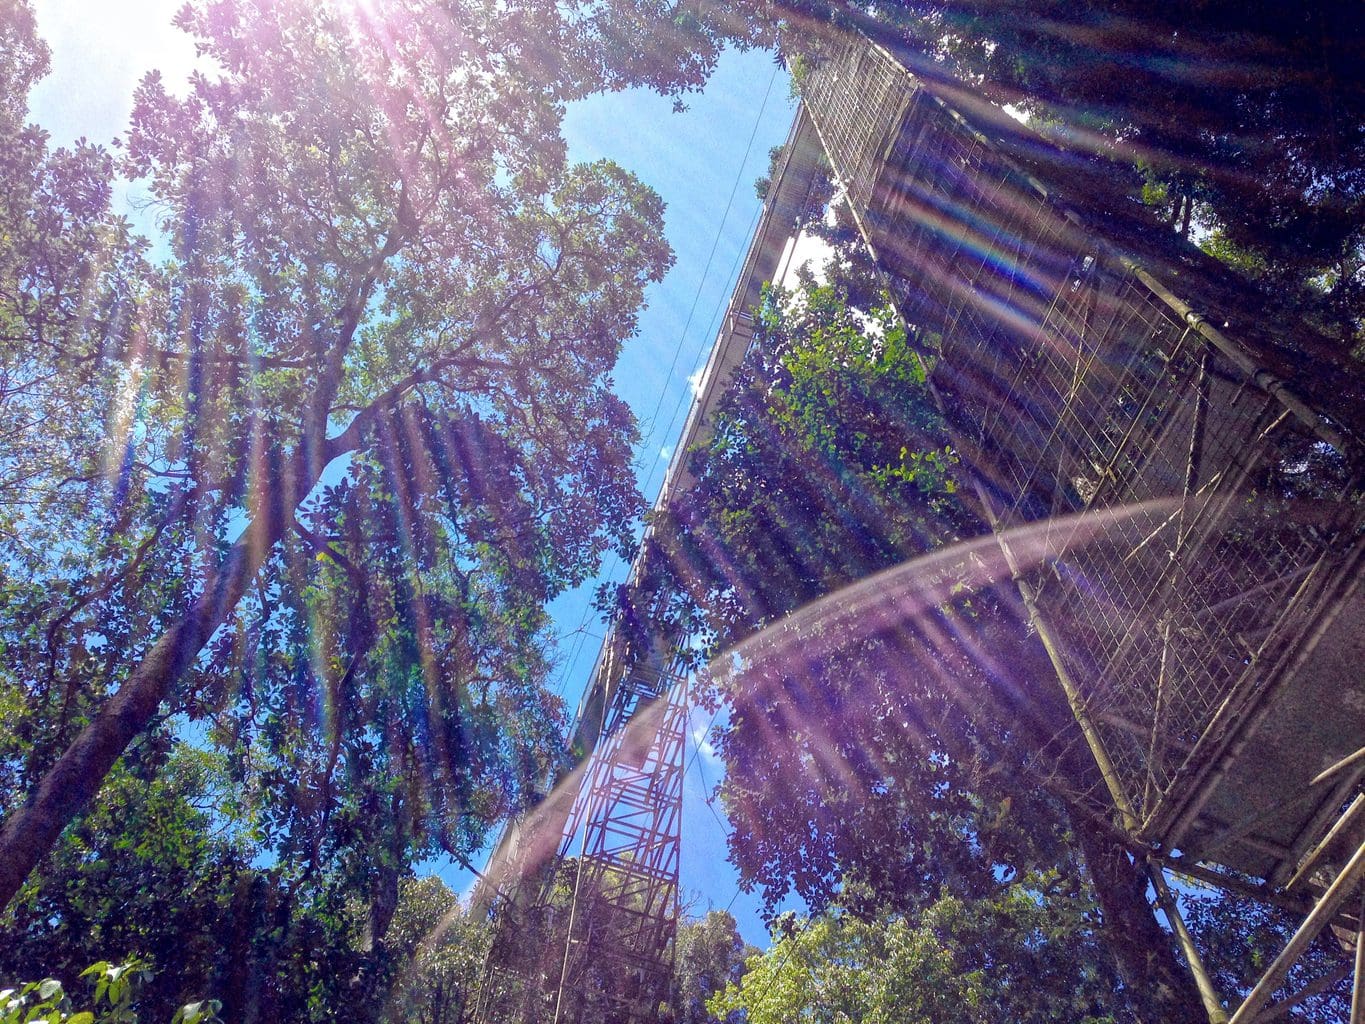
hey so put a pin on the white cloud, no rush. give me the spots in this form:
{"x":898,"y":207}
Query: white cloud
{"x":807,"y":251}
{"x":699,"y":728}
{"x":666,"y":452}
{"x":694,"y":381}
{"x":704,"y":745}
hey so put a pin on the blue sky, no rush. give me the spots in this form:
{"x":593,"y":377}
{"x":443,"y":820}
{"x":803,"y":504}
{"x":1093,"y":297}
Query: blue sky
{"x":702,"y":162}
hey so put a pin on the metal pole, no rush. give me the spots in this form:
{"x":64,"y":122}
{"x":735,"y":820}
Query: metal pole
{"x":1055,"y":656}
{"x":1344,"y":825}
{"x":1324,"y":984}
{"x":1321,"y":916}
{"x":1208,"y":994}
{"x":1073,"y":695}
{"x":1358,"y":984}
{"x":1244,"y":361}
{"x":1340,"y":766}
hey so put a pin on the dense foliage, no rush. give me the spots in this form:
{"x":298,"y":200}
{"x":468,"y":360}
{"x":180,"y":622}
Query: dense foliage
{"x":1027,"y":954}
{"x":116,"y":990}
{"x":709,"y":955}
{"x":283,"y":498}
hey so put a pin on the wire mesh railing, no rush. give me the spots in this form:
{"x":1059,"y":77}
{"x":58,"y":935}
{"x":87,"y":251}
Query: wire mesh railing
{"x":1078,"y":385}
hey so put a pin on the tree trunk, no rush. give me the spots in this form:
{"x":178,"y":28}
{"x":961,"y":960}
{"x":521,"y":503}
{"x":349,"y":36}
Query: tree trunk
{"x":1159,"y":985}
{"x":240,"y":979}
{"x":73,"y":781}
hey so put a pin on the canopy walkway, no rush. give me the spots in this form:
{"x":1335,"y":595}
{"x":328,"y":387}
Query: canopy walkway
{"x":1088,"y":360}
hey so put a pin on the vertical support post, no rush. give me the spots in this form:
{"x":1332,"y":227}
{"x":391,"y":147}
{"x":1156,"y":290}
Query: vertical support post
{"x":1358,"y":981}
{"x":1073,"y":693}
{"x":1208,"y":993}
{"x":1059,"y":666}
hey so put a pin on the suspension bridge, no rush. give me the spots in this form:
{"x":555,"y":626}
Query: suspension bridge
{"x":1086,"y":359}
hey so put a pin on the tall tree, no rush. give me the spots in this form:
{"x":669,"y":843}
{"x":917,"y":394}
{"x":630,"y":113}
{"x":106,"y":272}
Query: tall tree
{"x":1024,"y":955}
{"x":369,"y":214}
{"x":441,"y":955}
{"x":708,"y":955}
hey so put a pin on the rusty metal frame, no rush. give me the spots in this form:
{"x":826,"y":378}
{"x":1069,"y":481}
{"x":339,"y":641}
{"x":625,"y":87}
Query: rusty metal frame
{"x":605,"y":908}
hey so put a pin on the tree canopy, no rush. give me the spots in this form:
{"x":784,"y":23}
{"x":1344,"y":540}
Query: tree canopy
{"x":708,"y":955}
{"x":282,"y":507}
{"x":1026,"y":954}
{"x":283,"y":498}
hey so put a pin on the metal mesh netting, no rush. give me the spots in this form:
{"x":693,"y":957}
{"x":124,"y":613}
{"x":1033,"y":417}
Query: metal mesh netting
{"x":856,"y":126}
{"x":1078,"y":387}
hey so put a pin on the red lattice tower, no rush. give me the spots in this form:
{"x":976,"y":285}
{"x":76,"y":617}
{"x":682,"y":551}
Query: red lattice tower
{"x":589,"y":934}
{"x":624,"y":836}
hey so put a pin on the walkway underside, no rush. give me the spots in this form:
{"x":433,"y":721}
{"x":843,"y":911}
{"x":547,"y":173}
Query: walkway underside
{"x":1209,"y":635}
